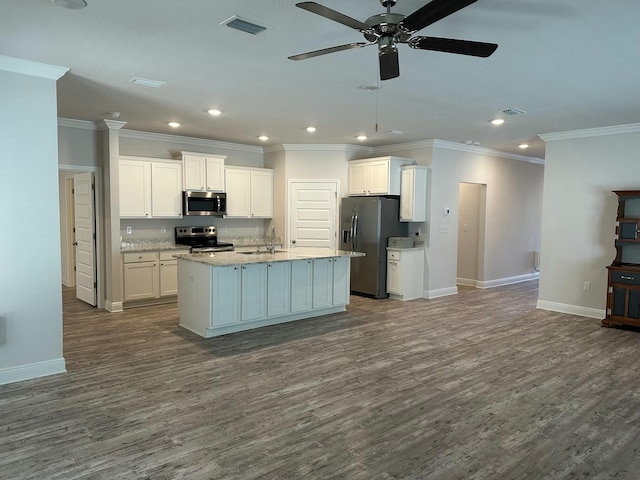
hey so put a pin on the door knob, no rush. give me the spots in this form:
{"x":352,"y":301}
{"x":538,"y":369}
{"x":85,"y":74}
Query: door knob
{"x":75,"y":244}
{"x":293,"y":241}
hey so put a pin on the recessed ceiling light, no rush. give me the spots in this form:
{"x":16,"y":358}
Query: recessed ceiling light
{"x":497,"y":121}
{"x":173,"y":124}
{"x":147,"y":82}
{"x":523,"y":145}
{"x":361,"y":137}
{"x":311,"y":129}
{"x":263,"y":138}
{"x":214,"y":111}
{"x":71,"y":4}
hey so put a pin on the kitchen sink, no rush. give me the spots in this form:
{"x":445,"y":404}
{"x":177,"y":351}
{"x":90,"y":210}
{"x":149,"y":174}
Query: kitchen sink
{"x":261,"y":252}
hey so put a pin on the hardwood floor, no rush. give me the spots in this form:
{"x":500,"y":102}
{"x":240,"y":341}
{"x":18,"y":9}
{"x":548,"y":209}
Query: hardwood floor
{"x":480,"y":385}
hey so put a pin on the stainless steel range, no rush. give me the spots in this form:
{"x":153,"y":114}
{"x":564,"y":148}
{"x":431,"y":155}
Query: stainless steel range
{"x":201,"y":239}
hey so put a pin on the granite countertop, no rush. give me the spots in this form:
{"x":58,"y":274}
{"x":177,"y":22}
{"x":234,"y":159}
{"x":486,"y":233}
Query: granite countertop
{"x":221,"y":259}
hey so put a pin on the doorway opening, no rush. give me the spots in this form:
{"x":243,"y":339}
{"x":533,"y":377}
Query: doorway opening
{"x":471,"y":233}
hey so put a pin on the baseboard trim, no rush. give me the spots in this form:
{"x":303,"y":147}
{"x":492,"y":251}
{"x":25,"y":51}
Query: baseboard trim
{"x":571,"y":309}
{"x":441,"y":292}
{"x":113,"y":307}
{"x":32,"y":370}
{"x":466,"y":282}
{"x":508,"y":280}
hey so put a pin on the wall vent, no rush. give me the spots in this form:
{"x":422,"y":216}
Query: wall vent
{"x":513,"y":111}
{"x":244,"y":25}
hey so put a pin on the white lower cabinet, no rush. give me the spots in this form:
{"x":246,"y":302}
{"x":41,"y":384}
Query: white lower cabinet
{"x":149,"y":275}
{"x":405,"y":269}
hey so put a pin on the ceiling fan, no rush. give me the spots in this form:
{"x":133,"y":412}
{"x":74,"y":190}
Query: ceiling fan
{"x":388,"y":29}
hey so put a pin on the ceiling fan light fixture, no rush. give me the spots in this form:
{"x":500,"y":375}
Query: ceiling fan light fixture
{"x":70,"y":4}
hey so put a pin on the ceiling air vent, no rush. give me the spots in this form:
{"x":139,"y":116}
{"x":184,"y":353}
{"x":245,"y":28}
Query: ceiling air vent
{"x":244,"y":25}
{"x":513,"y":111}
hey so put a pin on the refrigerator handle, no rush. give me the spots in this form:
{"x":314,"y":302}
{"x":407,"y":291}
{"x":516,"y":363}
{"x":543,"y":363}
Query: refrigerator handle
{"x":351,"y":230}
{"x":354,"y":237}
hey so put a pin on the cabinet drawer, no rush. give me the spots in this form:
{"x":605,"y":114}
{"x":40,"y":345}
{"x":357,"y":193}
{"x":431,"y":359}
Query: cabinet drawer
{"x":140,"y":257}
{"x":631,"y":278}
{"x":393,"y":255}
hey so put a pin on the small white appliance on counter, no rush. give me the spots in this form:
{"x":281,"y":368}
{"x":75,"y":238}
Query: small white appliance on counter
{"x":400,"y":242}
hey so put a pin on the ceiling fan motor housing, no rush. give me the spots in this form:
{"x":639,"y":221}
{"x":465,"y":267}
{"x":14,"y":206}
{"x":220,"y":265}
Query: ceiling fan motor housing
{"x":388,"y":3}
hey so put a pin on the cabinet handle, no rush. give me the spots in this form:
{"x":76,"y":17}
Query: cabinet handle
{"x":244,"y":268}
{"x":235,"y":268}
{"x":624,"y":277}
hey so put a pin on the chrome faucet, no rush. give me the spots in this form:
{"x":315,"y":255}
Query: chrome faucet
{"x":272,"y":248}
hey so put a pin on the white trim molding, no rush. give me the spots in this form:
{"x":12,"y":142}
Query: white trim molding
{"x":32,"y":370}
{"x":498,"y":282}
{"x":82,"y":124}
{"x":113,"y":307}
{"x":571,"y":309}
{"x":201,"y":142}
{"x":441,"y":292}
{"x":591,"y":132}
{"x":34,"y":69}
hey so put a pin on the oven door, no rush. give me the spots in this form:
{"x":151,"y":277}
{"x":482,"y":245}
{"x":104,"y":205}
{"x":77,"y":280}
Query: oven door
{"x":204,"y":203}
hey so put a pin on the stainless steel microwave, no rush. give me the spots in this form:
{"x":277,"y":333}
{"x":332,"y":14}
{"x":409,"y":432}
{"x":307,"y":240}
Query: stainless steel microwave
{"x":204,"y":203}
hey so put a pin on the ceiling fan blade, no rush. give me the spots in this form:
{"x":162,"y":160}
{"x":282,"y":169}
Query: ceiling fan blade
{"x":451,"y":45}
{"x":389,"y":65}
{"x":431,"y":13}
{"x":323,"y":11}
{"x":324,"y":51}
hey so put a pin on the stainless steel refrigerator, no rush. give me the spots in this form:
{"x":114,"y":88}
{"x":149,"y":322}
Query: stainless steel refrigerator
{"x":366,"y":224}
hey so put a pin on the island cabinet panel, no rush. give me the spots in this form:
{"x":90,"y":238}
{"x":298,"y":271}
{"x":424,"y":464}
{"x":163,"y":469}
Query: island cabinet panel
{"x":301,"y":286}
{"x":225,"y":296}
{"x":254,"y":292}
{"x":278,"y":288}
{"x":341,"y":278}
{"x":322,"y":282}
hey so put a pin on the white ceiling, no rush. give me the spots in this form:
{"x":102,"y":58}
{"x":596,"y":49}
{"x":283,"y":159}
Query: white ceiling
{"x":569,"y":64}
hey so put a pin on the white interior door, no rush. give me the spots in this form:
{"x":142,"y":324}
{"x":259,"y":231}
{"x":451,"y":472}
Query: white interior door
{"x":85,"y":240}
{"x":313,"y":213}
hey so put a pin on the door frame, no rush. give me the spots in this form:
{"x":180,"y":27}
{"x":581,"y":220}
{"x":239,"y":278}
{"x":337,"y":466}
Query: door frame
{"x":68,"y":171}
{"x":336,"y":213}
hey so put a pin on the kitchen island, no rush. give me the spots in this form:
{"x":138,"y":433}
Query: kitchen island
{"x":225,"y":292}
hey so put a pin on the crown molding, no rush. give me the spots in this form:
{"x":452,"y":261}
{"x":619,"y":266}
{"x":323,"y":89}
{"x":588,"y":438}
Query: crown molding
{"x":591,"y":132}
{"x":320,"y":147}
{"x":82,"y":124}
{"x":201,"y":142}
{"x":35,"y":69}
{"x":459,"y":147}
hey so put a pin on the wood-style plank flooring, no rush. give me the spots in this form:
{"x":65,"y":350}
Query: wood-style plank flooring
{"x":479,"y":385}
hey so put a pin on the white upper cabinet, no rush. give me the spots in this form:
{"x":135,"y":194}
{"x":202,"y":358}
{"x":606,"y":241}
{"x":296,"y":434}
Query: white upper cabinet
{"x":150,"y":188}
{"x":202,"y":171}
{"x":413,"y":194}
{"x":249,"y":192}
{"x":376,"y":176}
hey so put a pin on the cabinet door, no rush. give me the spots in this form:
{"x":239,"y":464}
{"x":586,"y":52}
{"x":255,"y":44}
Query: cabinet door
{"x":357,"y":179}
{"x":393,"y":277}
{"x":407,"y":194}
{"x":278,"y":288}
{"x":168,"y":277}
{"x":254,"y":292}
{"x":215,"y":174}
{"x":341,"y":267}
{"x":135,"y":189}
{"x":378,"y":177}
{"x":166,"y":190}
{"x":261,"y":193}
{"x":322,"y":282}
{"x":237,"y":183}
{"x":140,"y":280}
{"x":301,"y":285}
{"x":193,"y":168}
{"x":225,"y":295}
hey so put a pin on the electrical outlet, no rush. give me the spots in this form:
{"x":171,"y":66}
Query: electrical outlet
{"x":163,"y":229}
{"x":586,"y":286}
{"x":129,"y":230}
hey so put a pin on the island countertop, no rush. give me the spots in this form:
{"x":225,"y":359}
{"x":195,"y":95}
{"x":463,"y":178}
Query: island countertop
{"x":221,"y":259}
